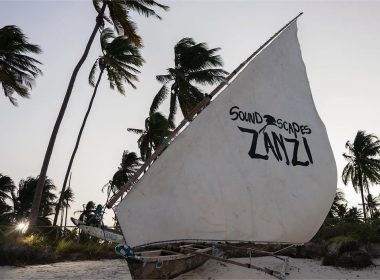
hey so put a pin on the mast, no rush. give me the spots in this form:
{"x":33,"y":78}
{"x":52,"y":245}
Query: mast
{"x":195,"y":111}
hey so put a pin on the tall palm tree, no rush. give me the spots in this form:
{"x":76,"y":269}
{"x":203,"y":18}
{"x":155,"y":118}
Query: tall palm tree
{"x":194,"y":64}
{"x":130,"y":163}
{"x":17,"y":70}
{"x":363,"y":165}
{"x":157,"y":127}
{"x":119,"y":15}
{"x":6,"y":189}
{"x":119,"y":60}
{"x":23,"y":199}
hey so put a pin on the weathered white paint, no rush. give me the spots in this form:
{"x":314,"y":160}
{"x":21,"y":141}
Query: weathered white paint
{"x":206,"y":186}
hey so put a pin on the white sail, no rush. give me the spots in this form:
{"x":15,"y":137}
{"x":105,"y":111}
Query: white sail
{"x":255,"y":165}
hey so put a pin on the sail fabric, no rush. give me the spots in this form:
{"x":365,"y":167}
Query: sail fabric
{"x":255,"y":165}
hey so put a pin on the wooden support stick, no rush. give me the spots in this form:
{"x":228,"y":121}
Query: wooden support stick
{"x":247,"y":265}
{"x":271,"y":254}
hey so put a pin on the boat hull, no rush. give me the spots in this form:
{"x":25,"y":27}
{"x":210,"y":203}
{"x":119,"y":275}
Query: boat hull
{"x":164,"y":267}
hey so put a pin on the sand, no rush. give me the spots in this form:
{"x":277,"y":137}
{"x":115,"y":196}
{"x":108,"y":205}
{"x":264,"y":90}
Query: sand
{"x":118,"y":270}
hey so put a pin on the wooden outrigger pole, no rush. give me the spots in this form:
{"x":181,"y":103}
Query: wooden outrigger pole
{"x":197,"y":109}
{"x":277,"y":274}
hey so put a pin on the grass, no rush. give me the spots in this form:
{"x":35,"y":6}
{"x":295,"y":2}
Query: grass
{"x":341,"y":238}
{"x":91,"y":249}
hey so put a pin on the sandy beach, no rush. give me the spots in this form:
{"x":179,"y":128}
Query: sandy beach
{"x":118,"y":270}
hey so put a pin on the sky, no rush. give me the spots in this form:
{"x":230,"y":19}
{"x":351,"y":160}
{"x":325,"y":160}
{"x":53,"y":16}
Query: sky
{"x":340,"y":47}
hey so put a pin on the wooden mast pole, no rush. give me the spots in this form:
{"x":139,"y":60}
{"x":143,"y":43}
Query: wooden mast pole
{"x":195,"y":111}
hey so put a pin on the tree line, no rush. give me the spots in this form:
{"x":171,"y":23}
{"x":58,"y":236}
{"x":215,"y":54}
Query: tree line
{"x":195,"y":65}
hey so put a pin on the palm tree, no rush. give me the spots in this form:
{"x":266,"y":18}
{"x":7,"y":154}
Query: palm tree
{"x":339,"y":199}
{"x":130,"y":163}
{"x":6,"y":189}
{"x":363,"y":167}
{"x":353,"y":215}
{"x":68,"y":197}
{"x":17,"y":70}
{"x":372,"y":204}
{"x":88,"y":210}
{"x":119,"y":60}
{"x":341,"y":210}
{"x":23,"y":199}
{"x":119,"y":15}
{"x":157,"y":127}
{"x":193,"y":64}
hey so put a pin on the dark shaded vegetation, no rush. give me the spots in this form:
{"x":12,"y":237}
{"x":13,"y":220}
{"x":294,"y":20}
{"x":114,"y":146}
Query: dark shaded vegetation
{"x":344,"y":230}
{"x":43,"y":247}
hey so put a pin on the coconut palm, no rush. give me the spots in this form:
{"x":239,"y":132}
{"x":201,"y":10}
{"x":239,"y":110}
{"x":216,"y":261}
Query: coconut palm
{"x":363,"y":165}
{"x":23,"y":199}
{"x":339,"y":199}
{"x":17,"y":70}
{"x":88,"y":208}
{"x":119,"y":60}
{"x":157,"y":127}
{"x":194,"y":64}
{"x":119,"y":15}
{"x":353,"y":215}
{"x":130,"y":163}
{"x":68,"y":197}
{"x":341,"y":210}
{"x":372,"y":204}
{"x":6,"y":189}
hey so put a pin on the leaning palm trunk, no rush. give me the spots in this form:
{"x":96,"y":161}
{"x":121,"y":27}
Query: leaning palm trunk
{"x":57,"y":207}
{"x":45,"y":164}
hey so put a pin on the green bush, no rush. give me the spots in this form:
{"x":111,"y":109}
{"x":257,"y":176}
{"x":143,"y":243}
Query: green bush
{"x":365,"y":232}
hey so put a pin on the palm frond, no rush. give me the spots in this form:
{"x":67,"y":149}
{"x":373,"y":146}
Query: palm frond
{"x":17,"y":70}
{"x":136,"y":131}
{"x":158,"y":99}
{"x":140,"y":6}
{"x":122,"y":22}
{"x":163,"y":79}
{"x":91,"y":77}
{"x":208,"y":76}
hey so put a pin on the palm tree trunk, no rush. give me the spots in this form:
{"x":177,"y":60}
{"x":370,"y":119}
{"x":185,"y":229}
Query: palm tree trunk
{"x":62,"y":213}
{"x":57,"y":207}
{"x":67,"y":206}
{"x":362,"y":194}
{"x":370,"y":204}
{"x":45,"y":164}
